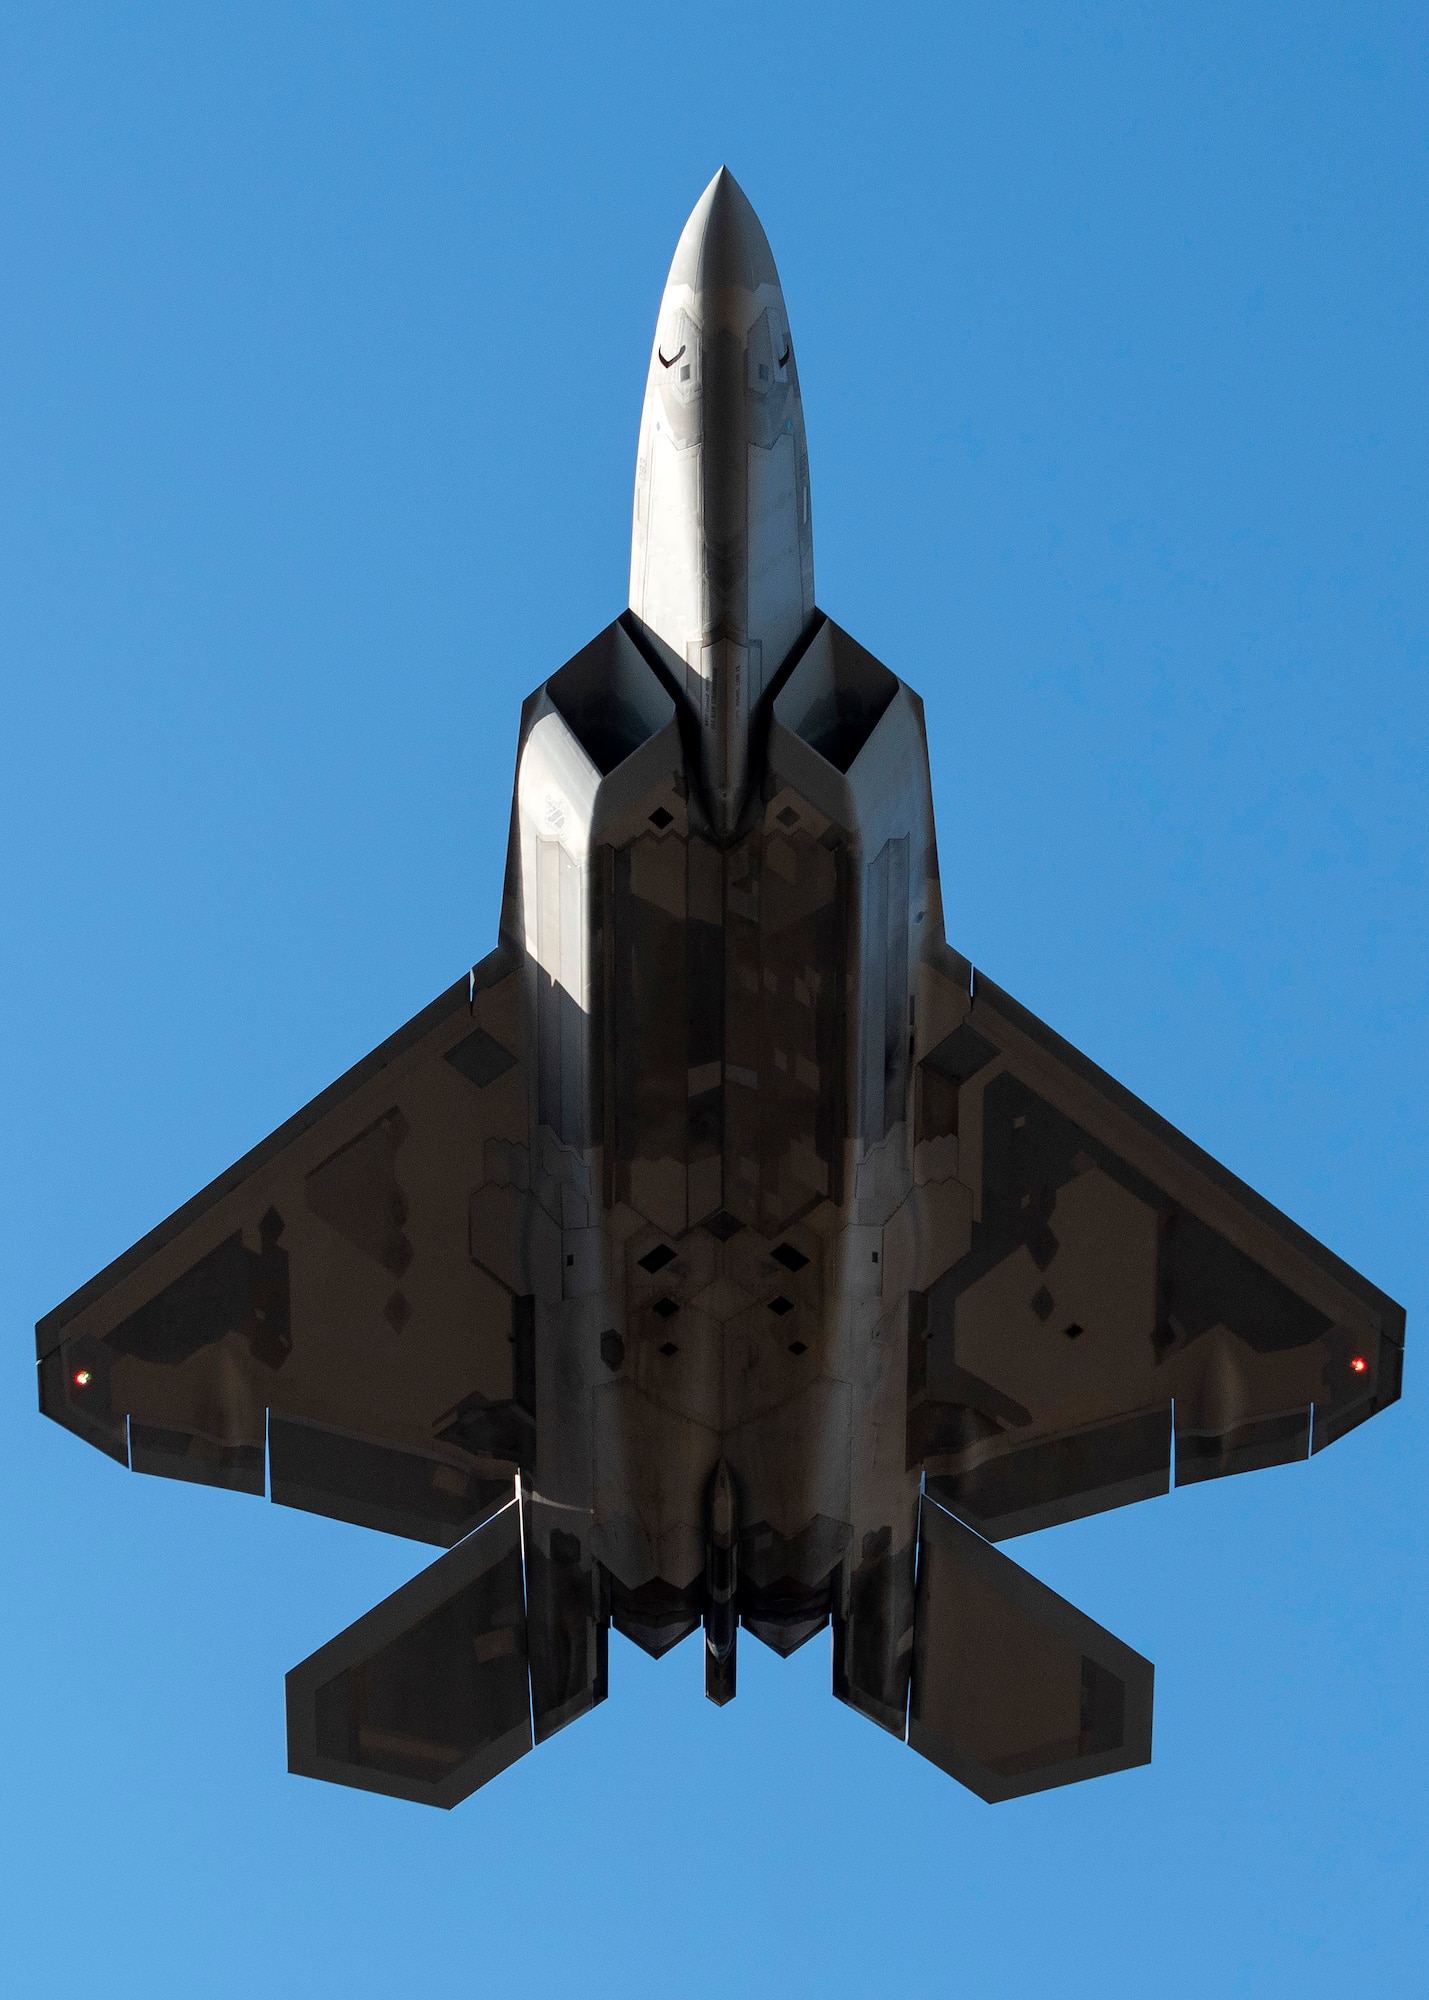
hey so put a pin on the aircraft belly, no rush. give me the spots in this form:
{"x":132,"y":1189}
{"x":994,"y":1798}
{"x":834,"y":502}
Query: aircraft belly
{"x":717,"y":1213}
{"x":721,"y":1249}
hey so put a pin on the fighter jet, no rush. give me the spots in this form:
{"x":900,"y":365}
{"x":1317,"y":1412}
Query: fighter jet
{"x":722,"y":1251}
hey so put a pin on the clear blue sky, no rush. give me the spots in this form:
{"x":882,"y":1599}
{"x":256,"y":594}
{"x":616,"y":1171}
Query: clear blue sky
{"x":322,"y":339}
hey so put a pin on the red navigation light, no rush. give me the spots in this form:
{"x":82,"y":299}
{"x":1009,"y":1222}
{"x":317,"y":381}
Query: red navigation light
{"x":1359,"y":1364}
{"x":82,"y":1378}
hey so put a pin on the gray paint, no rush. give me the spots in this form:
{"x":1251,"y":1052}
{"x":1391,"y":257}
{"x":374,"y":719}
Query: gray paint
{"x":723,"y":1205}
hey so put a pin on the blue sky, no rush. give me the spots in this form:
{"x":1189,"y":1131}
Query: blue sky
{"x":322,"y":340}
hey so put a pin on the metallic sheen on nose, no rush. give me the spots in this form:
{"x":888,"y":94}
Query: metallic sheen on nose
{"x":722,"y":556}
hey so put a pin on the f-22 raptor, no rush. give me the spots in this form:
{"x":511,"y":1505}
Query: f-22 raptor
{"x":722,"y":1250}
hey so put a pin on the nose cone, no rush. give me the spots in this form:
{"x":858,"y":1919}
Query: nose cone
{"x":722,"y":555}
{"x":722,"y":249}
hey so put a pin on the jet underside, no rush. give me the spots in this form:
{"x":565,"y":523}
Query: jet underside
{"x":722,"y":1158}
{"x":722,"y":1251}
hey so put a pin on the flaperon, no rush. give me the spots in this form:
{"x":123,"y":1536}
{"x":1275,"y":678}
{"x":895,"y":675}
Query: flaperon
{"x":721,"y":1250}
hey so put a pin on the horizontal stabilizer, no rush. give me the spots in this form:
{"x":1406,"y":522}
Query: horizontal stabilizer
{"x":1014,"y":1689}
{"x":428,"y":1696}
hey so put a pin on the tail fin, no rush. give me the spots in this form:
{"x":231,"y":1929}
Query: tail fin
{"x":433,"y":1692}
{"x":1015,"y":1690}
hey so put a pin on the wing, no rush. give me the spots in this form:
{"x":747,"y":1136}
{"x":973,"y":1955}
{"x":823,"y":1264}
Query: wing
{"x":343,"y":1293}
{"x":1118,"y":1289}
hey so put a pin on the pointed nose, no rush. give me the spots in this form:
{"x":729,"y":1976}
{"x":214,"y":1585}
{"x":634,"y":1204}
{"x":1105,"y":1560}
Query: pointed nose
{"x":722,"y":253}
{"x":721,"y":550}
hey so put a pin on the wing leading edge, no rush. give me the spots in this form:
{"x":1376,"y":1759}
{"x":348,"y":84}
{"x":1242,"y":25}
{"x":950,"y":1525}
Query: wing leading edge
{"x":1120,"y":1303}
{"x":1120,"y":1290}
{"x":322,"y":1299}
